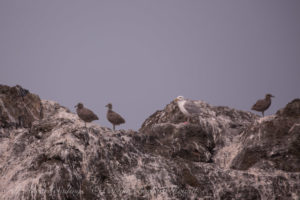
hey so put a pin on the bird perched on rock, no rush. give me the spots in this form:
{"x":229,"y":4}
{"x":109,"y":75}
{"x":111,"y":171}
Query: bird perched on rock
{"x":113,"y":117}
{"x":85,"y":114}
{"x":262,"y":104}
{"x":187,"y":107}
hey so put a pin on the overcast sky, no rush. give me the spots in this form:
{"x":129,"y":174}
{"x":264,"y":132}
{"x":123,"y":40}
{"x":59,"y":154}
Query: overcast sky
{"x":139,"y":55}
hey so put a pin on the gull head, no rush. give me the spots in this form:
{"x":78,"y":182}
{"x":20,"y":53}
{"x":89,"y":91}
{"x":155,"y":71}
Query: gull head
{"x":179,"y":98}
{"x":79,"y":106}
{"x":269,"y":95}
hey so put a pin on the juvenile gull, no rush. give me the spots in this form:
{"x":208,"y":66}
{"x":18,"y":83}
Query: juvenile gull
{"x":85,"y":114}
{"x":187,"y":107}
{"x":262,"y":104}
{"x":113,"y":117}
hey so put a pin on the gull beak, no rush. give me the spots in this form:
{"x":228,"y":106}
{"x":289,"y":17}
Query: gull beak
{"x":272,"y":96}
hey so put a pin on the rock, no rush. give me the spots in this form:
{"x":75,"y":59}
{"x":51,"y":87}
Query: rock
{"x":292,"y":109}
{"x":18,"y":107}
{"x":246,"y":193}
{"x":58,"y":158}
{"x":189,"y":142}
{"x":215,"y":128}
{"x":273,"y":141}
{"x":189,"y":179}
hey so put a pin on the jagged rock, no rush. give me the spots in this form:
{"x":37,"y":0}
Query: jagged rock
{"x":246,"y":193}
{"x":216,"y":129}
{"x":189,"y":179}
{"x":18,"y":107}
{"x":189,"y":142}
{"x":292,"y":109}
{"x":272,"y":143}
{"x":58,"y":158}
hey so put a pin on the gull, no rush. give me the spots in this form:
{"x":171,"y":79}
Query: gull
{"x":113,"y":117}
{"x":262,"y":105}
{"x":187,"y":107}
{"x":85,"y":114}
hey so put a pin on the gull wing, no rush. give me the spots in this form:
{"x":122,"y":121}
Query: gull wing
{"x":261,"y":105}
{"x":115,"y":118}
{"x":89,"y":115}
{"x":191,"y":107}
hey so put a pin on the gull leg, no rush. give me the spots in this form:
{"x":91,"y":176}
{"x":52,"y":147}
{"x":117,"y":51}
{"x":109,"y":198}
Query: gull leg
{"x":187,"y":121}
{"x":86,"y":128}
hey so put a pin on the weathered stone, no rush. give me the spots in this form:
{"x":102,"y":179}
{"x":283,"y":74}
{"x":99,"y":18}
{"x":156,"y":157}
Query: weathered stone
{"x":58,"y":158}
{"x":189,"y":142}
{"x":275,"y":140}
{"x":292,"y":109}
{"x":245,"y":193}
{"x":18,"y":108}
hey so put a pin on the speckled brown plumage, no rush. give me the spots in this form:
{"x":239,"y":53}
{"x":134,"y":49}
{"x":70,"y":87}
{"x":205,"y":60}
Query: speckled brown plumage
{"x":262,"y":104}
{"x":114,"y":117}
{"x":85,"y":114}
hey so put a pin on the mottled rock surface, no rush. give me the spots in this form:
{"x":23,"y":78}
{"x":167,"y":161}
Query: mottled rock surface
{"x":18,"y":107}
{"x":272,"y":142}
{"x":223,"y":154}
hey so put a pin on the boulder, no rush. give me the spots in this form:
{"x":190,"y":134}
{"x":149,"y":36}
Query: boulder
{"x":18,"y":107}
{"x":223,"y":154}
{"x":272,"y":142}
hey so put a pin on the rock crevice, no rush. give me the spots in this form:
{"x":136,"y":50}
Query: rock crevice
{"x":222,"y":154}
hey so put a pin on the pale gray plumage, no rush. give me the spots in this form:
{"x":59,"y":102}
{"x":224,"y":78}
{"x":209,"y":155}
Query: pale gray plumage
{"x":191,"y":107}
{"x":187,"y":107}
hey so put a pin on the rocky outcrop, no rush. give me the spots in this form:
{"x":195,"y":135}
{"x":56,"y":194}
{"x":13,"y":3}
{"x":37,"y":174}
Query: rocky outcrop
{"x":18,"y":107}
{"x":223,"y":154}
{"x":272,"y":142}
{"x":292,"y":109}
{"x":214,"y":133}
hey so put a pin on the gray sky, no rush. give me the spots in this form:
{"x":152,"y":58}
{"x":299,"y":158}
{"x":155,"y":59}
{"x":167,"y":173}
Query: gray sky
{"x":139,"y":55}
